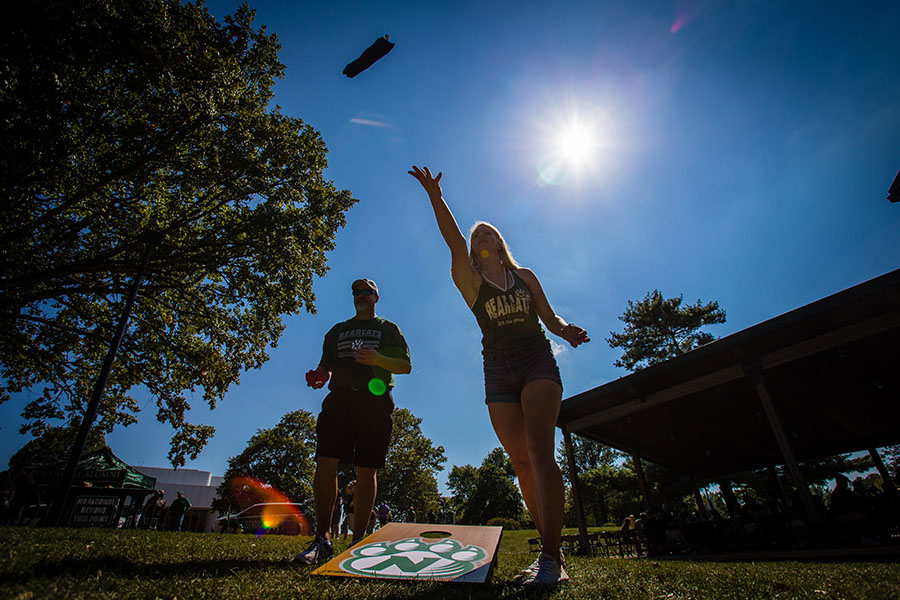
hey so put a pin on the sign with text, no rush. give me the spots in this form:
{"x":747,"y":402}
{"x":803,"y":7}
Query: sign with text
{"x":94,"y":511}
{"x":420,"y":551}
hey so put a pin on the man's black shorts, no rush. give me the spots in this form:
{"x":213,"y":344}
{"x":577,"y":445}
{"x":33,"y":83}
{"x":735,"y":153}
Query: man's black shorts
{"x":355,"y":426}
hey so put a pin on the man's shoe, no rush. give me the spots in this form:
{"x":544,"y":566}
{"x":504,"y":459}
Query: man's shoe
{"x":548,"y":574}
{"x":318,"y":550}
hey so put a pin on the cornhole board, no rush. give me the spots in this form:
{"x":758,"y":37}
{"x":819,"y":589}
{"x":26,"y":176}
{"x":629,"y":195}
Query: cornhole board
{"x":420,"y":551}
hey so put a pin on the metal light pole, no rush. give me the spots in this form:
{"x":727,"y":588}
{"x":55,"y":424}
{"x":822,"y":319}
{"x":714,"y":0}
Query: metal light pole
{"x":55,"y":515}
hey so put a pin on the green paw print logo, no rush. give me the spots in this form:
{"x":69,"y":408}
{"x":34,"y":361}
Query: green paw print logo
{"x":414,"y":558}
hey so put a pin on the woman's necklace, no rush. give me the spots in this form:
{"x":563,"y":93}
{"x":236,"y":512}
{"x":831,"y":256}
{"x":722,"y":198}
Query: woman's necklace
{"x":495,"y":277}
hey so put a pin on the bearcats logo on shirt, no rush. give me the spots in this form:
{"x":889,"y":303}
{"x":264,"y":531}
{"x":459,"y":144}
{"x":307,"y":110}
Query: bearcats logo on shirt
{"x":354,"y":339}
{"x":518,"y":303}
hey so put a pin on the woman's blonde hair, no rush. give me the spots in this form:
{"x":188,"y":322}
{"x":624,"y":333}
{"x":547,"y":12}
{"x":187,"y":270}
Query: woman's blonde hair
{"x":506,"y":258}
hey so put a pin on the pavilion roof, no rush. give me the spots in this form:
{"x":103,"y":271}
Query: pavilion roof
{"x":831,"y":368}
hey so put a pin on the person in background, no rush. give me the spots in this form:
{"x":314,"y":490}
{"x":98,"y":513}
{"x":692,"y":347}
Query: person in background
{"x":384,"y":514}
{"x":177,"y":511}
{"x":347,"y":504}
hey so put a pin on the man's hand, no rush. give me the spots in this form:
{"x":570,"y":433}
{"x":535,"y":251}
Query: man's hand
{"x":316,"y":379}
{"x":366,"y":356}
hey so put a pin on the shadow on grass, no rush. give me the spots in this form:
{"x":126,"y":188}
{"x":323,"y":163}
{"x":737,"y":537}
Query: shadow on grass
{"x":413,"y":590}
{"x":88,"y":567}
{"x":409,"y":589}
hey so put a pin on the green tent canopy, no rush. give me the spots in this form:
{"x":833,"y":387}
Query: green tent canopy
{"x":100,"y":468}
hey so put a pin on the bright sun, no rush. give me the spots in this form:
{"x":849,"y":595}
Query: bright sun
{"x":576,"y":145}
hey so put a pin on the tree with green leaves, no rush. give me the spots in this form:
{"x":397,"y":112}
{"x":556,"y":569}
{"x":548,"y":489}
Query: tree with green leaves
{"x":487,"y":492}
{"x":668,"y":486}
{"x":408,"y":480}
{"x":461,"y":482}
{"x":610,"y":494}
{"x":495,"y":496}
{"x":282,"y":457}
{"x":588,"y":454}
{"x":53,"y":446}
{"x":761,"y":484}
{"x":891,"y":458}
{"x":123,"y":119}
{"x":500,"y":459}
{"x":658,"y":328}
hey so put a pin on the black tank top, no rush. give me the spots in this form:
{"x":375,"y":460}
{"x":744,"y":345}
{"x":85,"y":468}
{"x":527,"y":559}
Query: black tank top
{"x":507,"y":318}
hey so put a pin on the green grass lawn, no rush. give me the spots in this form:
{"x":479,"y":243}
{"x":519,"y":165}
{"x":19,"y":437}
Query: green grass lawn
{"x":102,"y":563}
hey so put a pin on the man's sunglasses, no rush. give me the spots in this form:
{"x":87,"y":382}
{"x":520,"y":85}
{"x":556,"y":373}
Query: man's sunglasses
{"x":363,"y":292}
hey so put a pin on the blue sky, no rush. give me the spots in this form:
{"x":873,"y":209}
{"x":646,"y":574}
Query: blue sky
{"x":739,"y":152}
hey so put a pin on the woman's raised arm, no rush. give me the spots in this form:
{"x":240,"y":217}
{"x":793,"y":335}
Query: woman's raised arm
{"x":465,"y":276}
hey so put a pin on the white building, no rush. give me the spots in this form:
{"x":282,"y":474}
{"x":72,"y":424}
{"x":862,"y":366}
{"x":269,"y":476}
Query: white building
{"x":198,"y":486}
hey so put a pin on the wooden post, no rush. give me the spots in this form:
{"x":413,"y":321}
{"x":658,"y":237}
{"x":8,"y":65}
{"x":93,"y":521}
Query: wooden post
{"x":698,"y":498}
{"x":784,"y":444}
{"x":782,"y":493}
{"x":639,"y":469}
{"x":576,"y":493}
{"x":728,"y":497}
{"x":887,"y":483}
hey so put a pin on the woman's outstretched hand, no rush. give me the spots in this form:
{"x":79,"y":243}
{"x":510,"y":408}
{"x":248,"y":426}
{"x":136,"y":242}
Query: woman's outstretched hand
{"x":575,"y":335}
{"x":431,"y":183}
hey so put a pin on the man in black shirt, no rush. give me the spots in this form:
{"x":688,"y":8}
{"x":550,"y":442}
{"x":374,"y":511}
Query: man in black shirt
{"x":359,"y":357}
{"x":176,"y":512}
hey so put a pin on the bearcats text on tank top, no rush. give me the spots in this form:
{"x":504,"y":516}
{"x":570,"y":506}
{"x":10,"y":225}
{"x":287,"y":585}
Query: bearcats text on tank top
{"x":507,"y":318}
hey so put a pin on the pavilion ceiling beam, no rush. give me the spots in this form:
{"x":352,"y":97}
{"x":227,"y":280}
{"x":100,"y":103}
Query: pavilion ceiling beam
{"x":743,"y":441}
{"x":661,"y":397}
{"x":846,"y":422}
{"x":832,"y":339}
{"x":787,"y":450}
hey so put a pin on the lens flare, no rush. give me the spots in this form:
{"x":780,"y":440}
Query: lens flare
{"x":552,"y":171}
{"x":276,"y":511}
{"x":377,"y":387}
{"x":248,"y":491}
{"x":273,"y":516}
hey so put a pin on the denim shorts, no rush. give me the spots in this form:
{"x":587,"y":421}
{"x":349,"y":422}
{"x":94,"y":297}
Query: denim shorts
{"x":507,"y":373}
